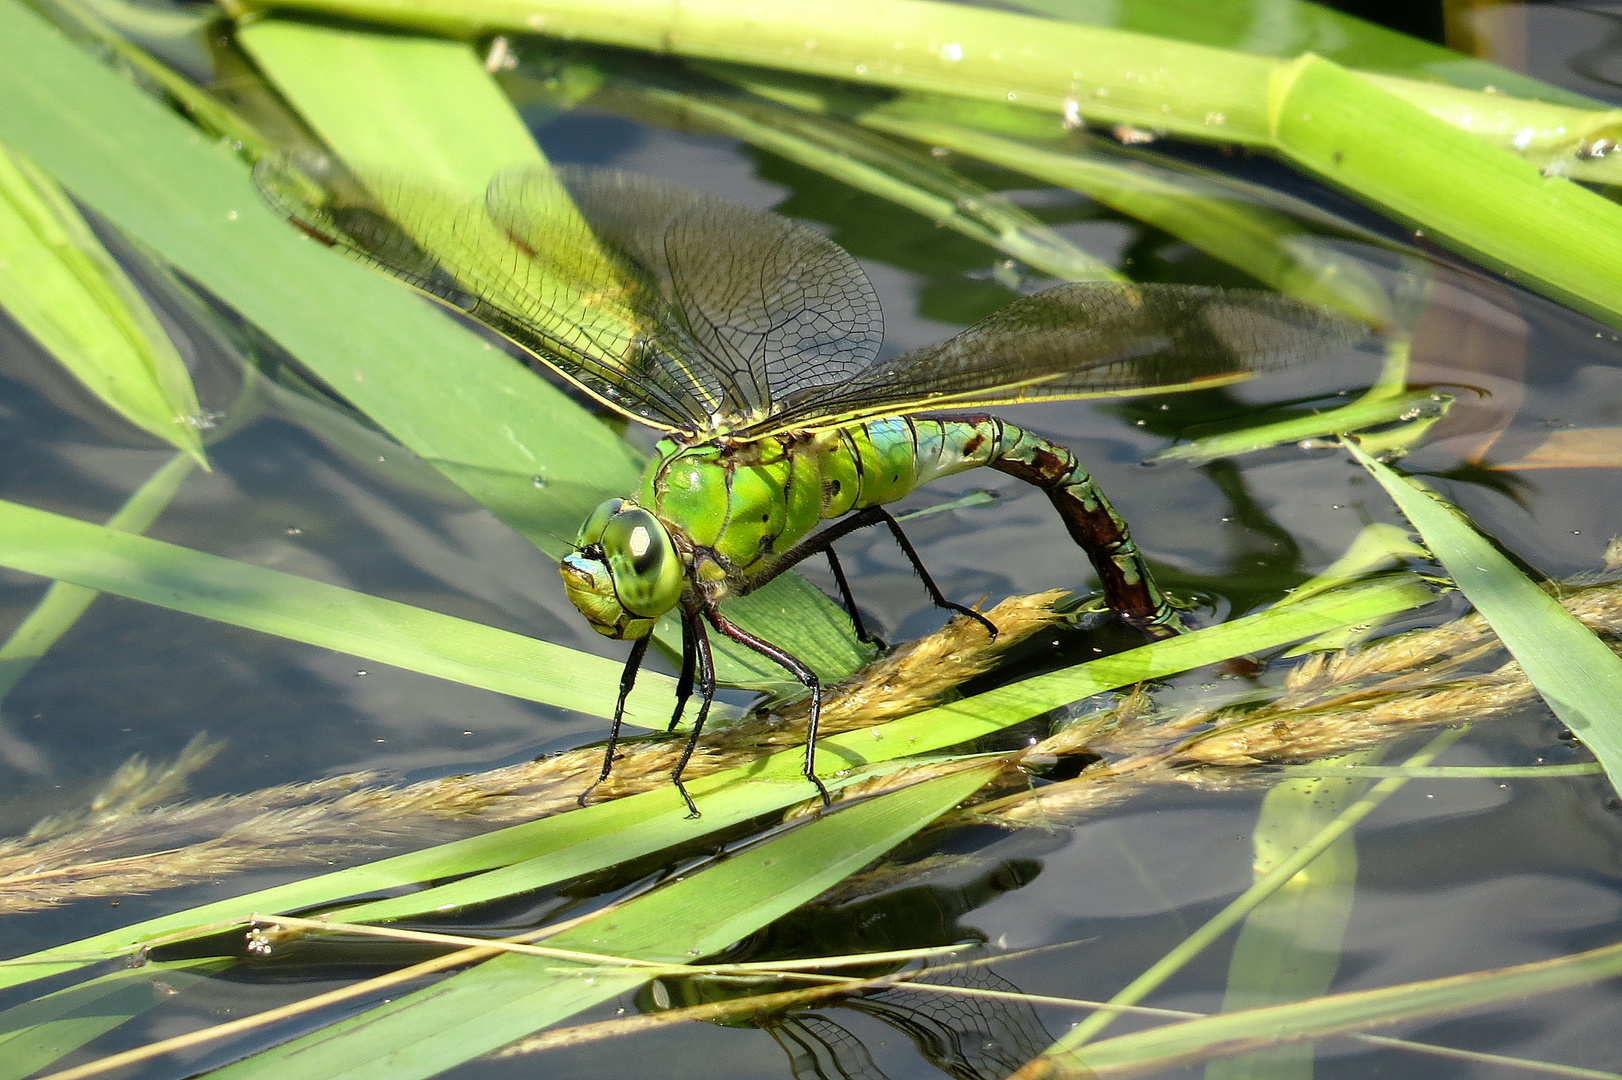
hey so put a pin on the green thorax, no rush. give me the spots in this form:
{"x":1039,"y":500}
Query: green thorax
{"x":738,"y":502}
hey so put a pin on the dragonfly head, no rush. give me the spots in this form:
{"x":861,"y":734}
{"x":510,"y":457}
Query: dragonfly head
{"x":624,"y":572}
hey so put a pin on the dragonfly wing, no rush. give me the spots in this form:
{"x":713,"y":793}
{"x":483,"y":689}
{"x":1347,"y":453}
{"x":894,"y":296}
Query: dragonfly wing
{"x":766,"y":308}
{"x":587,"y":313}
{"x":1088,"y":339}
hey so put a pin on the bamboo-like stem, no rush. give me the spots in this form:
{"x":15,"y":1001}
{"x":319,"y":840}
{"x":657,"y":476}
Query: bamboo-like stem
{"x":1101,"y":75}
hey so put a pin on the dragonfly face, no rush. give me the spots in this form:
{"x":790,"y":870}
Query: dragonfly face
{"x":624,"y":572}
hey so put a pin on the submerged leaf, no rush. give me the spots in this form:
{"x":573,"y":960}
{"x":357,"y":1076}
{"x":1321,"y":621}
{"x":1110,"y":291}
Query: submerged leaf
{"x":65,"y":289}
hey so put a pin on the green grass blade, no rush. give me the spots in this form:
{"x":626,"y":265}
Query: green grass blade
{"x":1280,"y":874}
{"x":273,"y":602}
{"x":38,"y":1032}
{"x":876,"y":165}
{"x":1147,"y":1052}
{"x":919,"y":734}
{"x":449,"y":125}
{"x":1572,"y":668}
{"x":1448,"y":772}
{"x":1264,"y":243}
{"x":511,"y":996}
{"x":64,"y":601}
{"x":1289,"y":946}
{"x":66,"y":290}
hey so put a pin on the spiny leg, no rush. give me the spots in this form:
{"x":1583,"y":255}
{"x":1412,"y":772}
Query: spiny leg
{"x":824,"y":540}
{"x":934,"y":591}
{"x":639,"y":649}
{"x":850,"y":601}
{"x":795,"y":667}
{"x":684,"y":680}
{"x":695,"y":642}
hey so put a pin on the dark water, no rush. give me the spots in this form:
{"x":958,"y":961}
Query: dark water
{"x":1454,"y":875}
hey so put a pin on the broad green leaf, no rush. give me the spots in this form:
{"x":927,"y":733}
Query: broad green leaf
{"x":648,"y":822}
{"x":417,"y":106}
{"x":474,"y":1012}
{"x":65,"y":289}
{"x":1577,"y":674}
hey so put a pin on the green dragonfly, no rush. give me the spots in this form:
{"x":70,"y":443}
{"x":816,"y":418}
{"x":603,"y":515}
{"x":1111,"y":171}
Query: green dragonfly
{"x":753,"y":343}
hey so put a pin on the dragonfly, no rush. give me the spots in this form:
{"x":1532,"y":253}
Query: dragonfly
{"x":753,"y":343}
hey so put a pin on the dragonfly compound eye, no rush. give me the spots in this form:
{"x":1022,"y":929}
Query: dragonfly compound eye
{"x":646,"y":569}
{"x":592,"y":531}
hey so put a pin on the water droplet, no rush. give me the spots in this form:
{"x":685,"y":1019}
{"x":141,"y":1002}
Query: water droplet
{"x":293,"y":530}
{"x":861,"y":69}
{"x":952,"y":52}
{"x":1072,"y":113}
{"x":1216,"y":119}
{"x":1523,"y":138}
{"x":230,"y":215}
{"x":538,"y":480}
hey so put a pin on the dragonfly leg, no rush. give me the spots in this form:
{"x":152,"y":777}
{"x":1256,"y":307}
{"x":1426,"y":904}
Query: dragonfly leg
{"x":824,"y":540}
{"x":695,"y":644}
{"x":684,"y":680}
{"x":795,"y":667}
{"x":633,"y":663}
{"x":934,"y":591}
{"x":850,"y":601}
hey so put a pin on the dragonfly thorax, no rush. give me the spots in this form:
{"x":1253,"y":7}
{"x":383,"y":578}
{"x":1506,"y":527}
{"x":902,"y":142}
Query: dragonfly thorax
{"x":625,"y":571}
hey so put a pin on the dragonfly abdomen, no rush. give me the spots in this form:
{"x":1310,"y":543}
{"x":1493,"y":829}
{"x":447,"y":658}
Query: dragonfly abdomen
{"x":893,"y":456}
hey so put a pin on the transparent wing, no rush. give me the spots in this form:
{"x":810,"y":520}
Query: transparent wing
{"x":583,"y":310}
{"x":761,"y":308}
{"x":681,"y":311}
{"x":1089,"y":339}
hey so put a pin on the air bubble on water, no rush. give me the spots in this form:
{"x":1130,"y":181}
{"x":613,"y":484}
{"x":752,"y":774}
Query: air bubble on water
{"x":293,"y":530}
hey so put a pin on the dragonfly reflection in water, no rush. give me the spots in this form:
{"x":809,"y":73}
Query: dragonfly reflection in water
{"x":753,"y":343}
